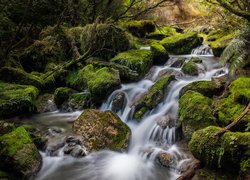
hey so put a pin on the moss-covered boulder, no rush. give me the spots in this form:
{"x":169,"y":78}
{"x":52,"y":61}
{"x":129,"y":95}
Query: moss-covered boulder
{"x":195,"y":112}
{"x":140,"y":28}
{"x":137,"y":60}
{"x":181,"y":43}
{"x":190,"y":68}
{"x":62,"y":94}
{"x":18,"y":154}
{"x":229,"y":108}
{"x":19,"y":76}
{"x":126,"y":74}
{"x":196,"y":60}
{"x":161,"y":32}
{"x":220,"y":44}
{"x":159,"y":53}
{"x":227,"y":152}
{"x":206,"y":88}
{"x":17,"y":99}
{"x":102,"y":130}
{"x":153,"y":97}
{"x":105,"y":40}
{"x":98,"y":81}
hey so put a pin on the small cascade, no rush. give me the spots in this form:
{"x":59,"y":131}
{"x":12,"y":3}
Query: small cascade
{"x":203,"y":50}
{"x":153,"y":152}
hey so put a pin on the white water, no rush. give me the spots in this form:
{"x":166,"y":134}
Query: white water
{"x":148,"y":138}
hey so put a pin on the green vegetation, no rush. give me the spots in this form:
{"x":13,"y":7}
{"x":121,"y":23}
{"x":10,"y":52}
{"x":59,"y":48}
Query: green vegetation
{"x":153,"y":97}
{"x":159,"y":53}
{"x":61,"y":95}
{"x":181,"y":43}
{"x":226,"y":152}
{"x":19,"y":153}
{"x":190,"y":68}
{"x":137,"y":60}
{"x":195,"y":112}
{"x":17,"y":99}
{"x":162,"y":32}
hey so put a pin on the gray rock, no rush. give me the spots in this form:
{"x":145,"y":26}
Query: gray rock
{"x":118,"y":102}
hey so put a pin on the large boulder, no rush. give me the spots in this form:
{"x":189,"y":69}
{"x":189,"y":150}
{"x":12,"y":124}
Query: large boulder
{"x":153,"y":97}
{"x":139,"y":61}
{"x":195,"y":112}
{"x":101,"y":130}
{"x":106,"y":40}
{"x":206,"y":88}
{"x":98,"y":81}
{"x":18,"y":154}
{"x":159,"y":53}
{"x":229,"y":108}
{"x":17,"y":99}
{"x":228,"y":152}
{"x":181,"y":43}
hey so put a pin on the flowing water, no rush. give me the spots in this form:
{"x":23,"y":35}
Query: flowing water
{"x":149,"y":137}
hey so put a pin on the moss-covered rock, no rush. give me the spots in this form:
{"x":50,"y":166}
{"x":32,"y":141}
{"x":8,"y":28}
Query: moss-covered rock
{"x":225,"y":152}
{"x":61,"y":95}
{"x":159,"y":53}
{"x":190,"y":68}
{"x":99,"y":81}
{"x":196,"y":60}
{"x":105,"y":40}
{"x":216,"y":34}
{"x":18,"y":154}
{"x":6,"y":127}
{"x":137,"y":60}
{"x":140,"y":28}
{"x":101,"y":130}
{"x":220,"y":44}
{"x":161,"y":33}
{"x":195,"y":112}
{"x":77,"y":101}
{"x":17,"y":99}
{"x":229,"y":108}
{"x":126,"y":74}
{"x":14,"y":75}
{"x":181,"y":43}
{"x":153,"y":97}
{"x":206,"y":88}
{"x":53,"y":46}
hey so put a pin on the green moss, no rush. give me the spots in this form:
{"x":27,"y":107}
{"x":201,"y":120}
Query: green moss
{"x":159,"y":53}
{"x":17,"y":99}
{"x":181,"y":43}
{"x":14,"y":75}
{"x":195,"y":112}
{"x":3,"y":175}
{"x":196,"y":60}
{"x":206,"y":88}
{"x":61,"y":95}
{"x":140,"y":28}
{"x":19,"y":152}
{"x":162,"y":32}
{"x":136,"y":60}
{"x":106,"y":40}
{"x":229,"y":108}
{"x":153,"y":97}
{"x":216,"y":34}
{"x":220,"y":44}
{"x":225,"y":152}
{"x":80,"y":101}
{"x":190,"y":68}
{"x":100,"y":81}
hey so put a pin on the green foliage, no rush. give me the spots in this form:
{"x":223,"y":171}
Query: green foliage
{"x":181,"y":43}
{"x":162,"y":32}
{"x":137,"y":60}
{"x":17,"y":99}
{"x":225,"y":152}
{"x":190,"y":68}
{"x":195,"y":112}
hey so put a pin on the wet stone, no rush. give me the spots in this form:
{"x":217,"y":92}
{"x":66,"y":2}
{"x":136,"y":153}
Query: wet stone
{"x":165,"y":159}
{"x":165,"y":122}
{"x":78,"y":151}
{"x":178,"y":62}
{"x":118,"y":102}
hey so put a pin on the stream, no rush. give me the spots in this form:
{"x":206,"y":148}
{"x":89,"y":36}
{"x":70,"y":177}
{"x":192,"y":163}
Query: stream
{"x":148,"y":139}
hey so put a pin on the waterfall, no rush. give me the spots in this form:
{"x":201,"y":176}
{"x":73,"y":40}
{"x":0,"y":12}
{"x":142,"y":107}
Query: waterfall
{"x":203,"y":50}
{"x":151,"y":138}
